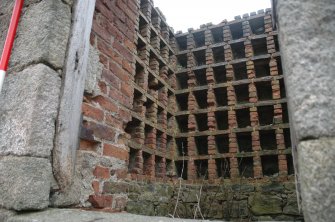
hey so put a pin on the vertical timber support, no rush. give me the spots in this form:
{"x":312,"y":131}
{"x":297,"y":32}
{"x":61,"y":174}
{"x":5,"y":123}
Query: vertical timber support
{"x":69,"y":116}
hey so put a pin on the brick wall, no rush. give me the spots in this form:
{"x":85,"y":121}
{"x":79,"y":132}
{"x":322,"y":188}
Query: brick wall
{"x":204,"y":105}
{"x":106,"y":111}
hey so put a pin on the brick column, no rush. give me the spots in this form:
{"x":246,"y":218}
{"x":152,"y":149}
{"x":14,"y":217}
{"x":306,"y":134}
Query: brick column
{"x":228,"y":53}
{"x":165,"y":32}
{"x":145,"y":32}
{"x":156,"y":23}
{"x":138,"y":105}
{"x":191,"y":169}
{"x":268,"y":23}
{"x":154,"y":65}
{"x":246,"y":27}
{"x":208,"y":37}
{"x":164,"y":51}
{"x":273,"y":67}
{"x":282,"y":162}
{"x":248,"y":49}
{"x":251,"y":70}
{"x":150,"y":139}
{"x":256,"y":148}
{"x":209,"y":56}
{"x":190,"y":41}
{"x":254,"y":116}
{"x":278,"y":114}
{"x":146,"y":10}
{"x":212,"y":175}
{"x":226,"y":34}
{"x":270,"y":44}
{"x":155,"y":42}
{"x":138,"y":168}
{"x":252,"y":93}
{"x":163,"y":73}
{"x":149,"y":167}
{"x":234,"y":172}
{"x":275,"y":89}
{"x":138,"y":134}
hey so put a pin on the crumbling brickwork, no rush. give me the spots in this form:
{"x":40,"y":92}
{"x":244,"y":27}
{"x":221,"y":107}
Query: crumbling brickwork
{"x":106,"y":105}
{"x":207,"y":105}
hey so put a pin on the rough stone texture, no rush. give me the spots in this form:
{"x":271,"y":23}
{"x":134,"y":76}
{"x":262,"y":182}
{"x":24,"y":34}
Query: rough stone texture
{"x":265,"y":204}
{"x":24,"y":182}
{"x":5,"y":214}
{"x":308,"y":57}
{"x":94,"y":70}
{"x":56,"y":215}
{"x":28,"y":109}
{"x":317,"y":174}
{"x":69,"y":115}
{"x":79,"y":191}
{"x":224,"y":201}
{"x":47,"y":39}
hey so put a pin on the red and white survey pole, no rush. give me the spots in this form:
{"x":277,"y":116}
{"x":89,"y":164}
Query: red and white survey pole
{"x":10,"y":40}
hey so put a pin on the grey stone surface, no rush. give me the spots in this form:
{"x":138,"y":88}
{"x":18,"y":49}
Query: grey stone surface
{"x":69,"y":117}
{"x":317,"y":174}
{"x":291,"y":207}
{"x":42,"y":34}
{"x":94,"y":70}
{"x":265,"y":204}
{"x":77,"y":194}
{"x":307,"y":39}
{"x":24,"y":183}
{"x":5,"y":214}
{"x":28,"y":109}
{"x":72,"y":215}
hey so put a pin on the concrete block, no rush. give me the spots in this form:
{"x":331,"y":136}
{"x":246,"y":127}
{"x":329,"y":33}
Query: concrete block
{"x":308,"y":59}
{"x":317,"y":178}
{"x":28,"y":110}
{"x":24,"y":183}
{"x":43,"y":34}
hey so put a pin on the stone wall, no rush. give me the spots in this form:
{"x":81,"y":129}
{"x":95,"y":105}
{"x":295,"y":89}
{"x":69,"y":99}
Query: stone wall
{"x":29,"y":101}
{"x":308,"y":60}
{"x":269,"y":200}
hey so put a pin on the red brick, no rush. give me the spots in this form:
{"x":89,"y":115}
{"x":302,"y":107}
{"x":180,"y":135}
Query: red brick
{"x":101,"y":172}
{"x":92,"y":112}
{"x":101,"y":131}
{"x":123,"y":50}
{"x":118,"y":71}
{"x":87,"y":145}
{"x":127,"y":66}
{"x":111,"y":78}
{"x":127,"y":89}
{"x":113,"y":151}
{"x":96,"y":186}
{"x":106,"y":104}
{"x":101,"y":201}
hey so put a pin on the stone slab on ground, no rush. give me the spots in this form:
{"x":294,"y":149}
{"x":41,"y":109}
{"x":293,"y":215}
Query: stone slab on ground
{"x":74,"y":215}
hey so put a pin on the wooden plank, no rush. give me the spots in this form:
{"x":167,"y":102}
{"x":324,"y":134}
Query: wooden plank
{"x":69,"y":117}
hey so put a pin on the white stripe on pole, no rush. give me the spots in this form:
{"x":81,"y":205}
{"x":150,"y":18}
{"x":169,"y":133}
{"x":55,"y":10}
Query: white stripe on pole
{"x":2,"y":78}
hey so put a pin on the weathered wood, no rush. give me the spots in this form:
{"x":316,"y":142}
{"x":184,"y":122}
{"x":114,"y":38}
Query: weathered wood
{"x":67,"y":129}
